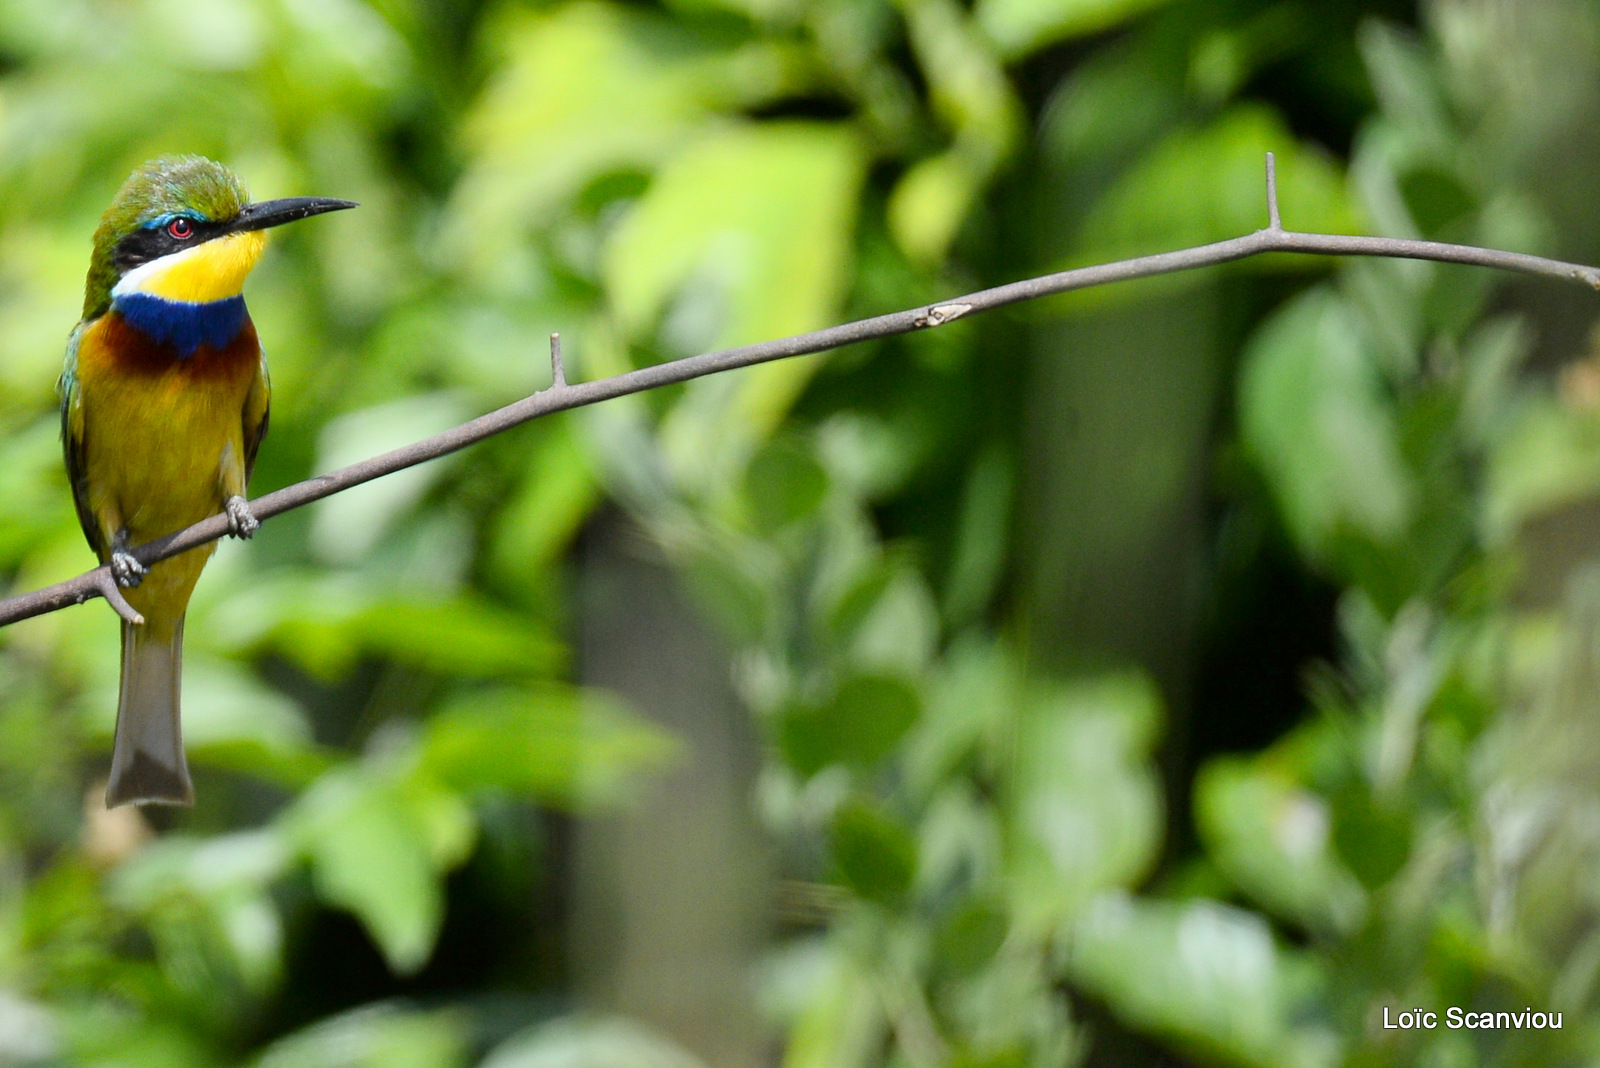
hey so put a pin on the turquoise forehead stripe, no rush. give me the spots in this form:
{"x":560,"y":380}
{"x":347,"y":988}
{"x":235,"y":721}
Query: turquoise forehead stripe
{"x":163,"y":219}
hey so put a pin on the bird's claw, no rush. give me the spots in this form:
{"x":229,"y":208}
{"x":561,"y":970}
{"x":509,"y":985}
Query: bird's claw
{"x":126,"y":569}
{"x":242,"y":522}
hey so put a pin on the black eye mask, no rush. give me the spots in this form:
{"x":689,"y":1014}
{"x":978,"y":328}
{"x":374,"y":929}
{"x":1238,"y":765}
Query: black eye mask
{"x":151,"y":243}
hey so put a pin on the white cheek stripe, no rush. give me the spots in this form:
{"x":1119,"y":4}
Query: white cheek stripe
{"x":143,"y":277}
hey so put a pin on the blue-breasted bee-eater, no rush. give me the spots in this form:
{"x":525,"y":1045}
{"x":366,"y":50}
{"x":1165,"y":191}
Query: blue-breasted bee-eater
{"x":163,"y":405}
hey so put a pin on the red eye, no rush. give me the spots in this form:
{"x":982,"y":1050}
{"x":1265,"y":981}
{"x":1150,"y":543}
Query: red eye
{"x":181,"y":229}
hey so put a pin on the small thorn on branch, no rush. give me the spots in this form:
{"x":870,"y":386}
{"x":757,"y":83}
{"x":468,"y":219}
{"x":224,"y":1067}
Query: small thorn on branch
{"x":113,"y":594}
{"x":939,"y":314}
{"x":1273,"y":220}
{"x":100,"y":583}
{"x":558,"y":372}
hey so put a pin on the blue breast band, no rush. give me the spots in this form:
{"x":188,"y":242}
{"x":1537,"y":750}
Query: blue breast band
{"x":183,"y":324}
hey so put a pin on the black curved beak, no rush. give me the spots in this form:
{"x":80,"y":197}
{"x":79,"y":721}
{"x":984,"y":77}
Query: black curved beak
{"x":277,"y":212}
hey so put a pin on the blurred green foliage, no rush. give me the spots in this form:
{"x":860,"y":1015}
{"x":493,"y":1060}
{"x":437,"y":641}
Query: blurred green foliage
{"x":1037,"y":835}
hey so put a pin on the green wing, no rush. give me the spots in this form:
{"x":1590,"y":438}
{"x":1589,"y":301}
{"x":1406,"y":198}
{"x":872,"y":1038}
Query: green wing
{"x":72,"y":442}
{"x":257,"y":407}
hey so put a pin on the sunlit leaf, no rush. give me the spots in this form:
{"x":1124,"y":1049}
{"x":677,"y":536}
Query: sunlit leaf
{"x":1273,"y":838}
{"x":840,"y":1017}
{"x":1224,"y":988}
{"x":1208,"y":184}
{"x":378,"y":1036}
{"x":571,"y":1042}
{"x":96,"y":1033}
{"x":347,"y":525}
{"x":378,"y":847}
{"x":1315,"y":418}
{"x":559,"y":745}
{"x":558,"y":491}
{"x":325,"y":622}
{"x":743,"y":236}
{"x":587,"y":89}
{"x":930,"y":203}
{"x":1020,"y":26}
{"x":1085,"y":810}
{"x":1547,"y":457}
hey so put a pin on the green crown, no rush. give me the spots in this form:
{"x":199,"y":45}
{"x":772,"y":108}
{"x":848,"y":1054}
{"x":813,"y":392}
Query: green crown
{"x":166,"y":186}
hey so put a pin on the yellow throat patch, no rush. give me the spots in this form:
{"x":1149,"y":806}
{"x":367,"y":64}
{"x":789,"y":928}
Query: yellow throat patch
{"x":215,"y":270}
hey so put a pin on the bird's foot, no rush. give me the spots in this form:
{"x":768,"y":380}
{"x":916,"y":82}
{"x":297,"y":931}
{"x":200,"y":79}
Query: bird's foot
{"x":126,"y":569}
{"x":242,"y":522}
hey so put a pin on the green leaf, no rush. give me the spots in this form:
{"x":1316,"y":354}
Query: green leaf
{"x":1406,"y":81}
{"x":1208,"y":184}
{"x":1084,"y":811}
{"x":215,"y":892}
{"x":1115,"y":102}
{"x":1373,"y":838}
{"x":1021,"y":26}
{"x":1547,"y":457}
{"x":930,"y":202}
{"x":1272,"y":837}
{"x":973,"y":701}
{"x":876,"y":856}
{"x":586,"y":90}
{"x":849,"y":609}
{"x":784,"y":484}
{"x":557,"y":744}
{"x":978,"y":557}
{"x":757,"y":219}
{"x":37,"y":504}
{"x":578,"y":1042}
{"x":744,"y":236}
{"x":94,"y":1034}
{"x":899,"y":634}
{"x":970,"y":936}
{"x":839,"y":1018}
{"x":377,"y":1036}
{"x":233,"y":721}
{"x":732,"y":584}
{"x":462,"y":635}
{"x":859,"y":725}
{"x":558,"y":491}
{"x":325,"y":622}
{"x":378,"y":847}
{"x":1315,"y":418}
{"x":346,"y":526}
{"x":1223,"y":988}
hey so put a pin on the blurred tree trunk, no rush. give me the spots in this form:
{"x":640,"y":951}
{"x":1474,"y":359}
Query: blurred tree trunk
{"x":669,"y":895}
{"x":1115,"y":468}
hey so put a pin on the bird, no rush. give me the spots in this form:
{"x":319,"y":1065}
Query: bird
{"x":164,"y":403}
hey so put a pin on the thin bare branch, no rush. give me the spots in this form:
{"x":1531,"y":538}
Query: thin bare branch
{"x":562,"y":396}
{"x":1274,"y":222}
{"x":107,"y":587}
{"x":558,"y":372}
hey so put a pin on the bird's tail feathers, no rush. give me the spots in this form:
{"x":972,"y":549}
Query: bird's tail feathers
{"x":147,"y":762}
